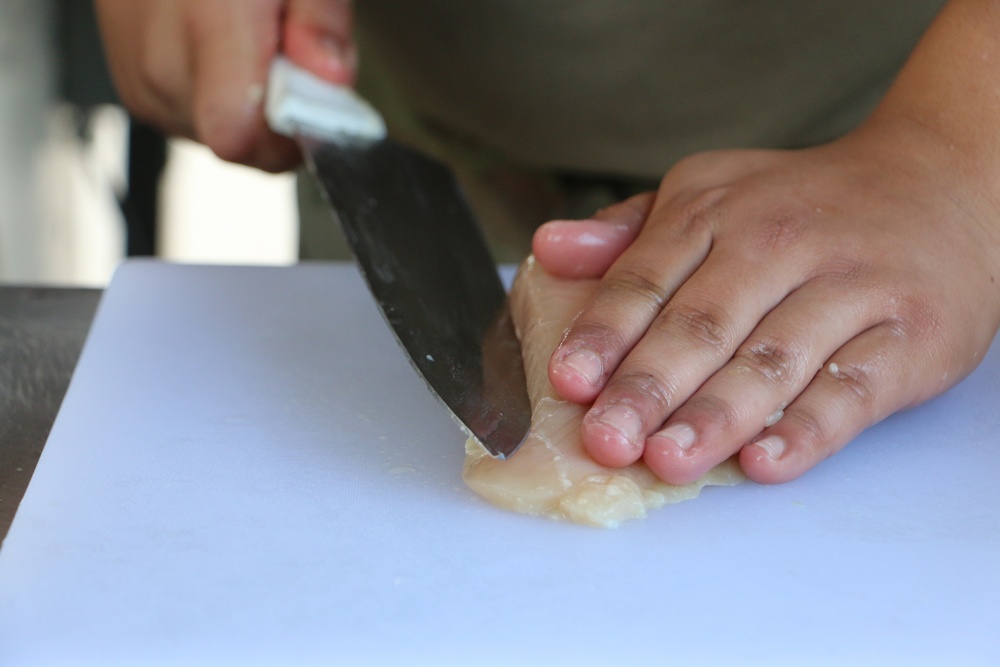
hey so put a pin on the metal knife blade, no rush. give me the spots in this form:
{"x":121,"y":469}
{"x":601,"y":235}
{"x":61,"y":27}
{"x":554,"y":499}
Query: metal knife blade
{"x":429,"y":268}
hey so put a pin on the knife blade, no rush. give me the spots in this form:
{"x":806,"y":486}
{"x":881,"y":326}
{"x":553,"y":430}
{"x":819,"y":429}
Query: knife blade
{"x":419,"y":249}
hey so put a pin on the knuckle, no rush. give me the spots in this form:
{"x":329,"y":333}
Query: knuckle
{"x":857,"y":383}
{"x":158,"y":78}
{"x":695,"y":165}
{"x":232,"y":137}
{"x":725,"y":415}
{"x":781,"y":231}
{"x":914,"y":318}
{"x":774,"y":361}
{"x":693,"y":162}
{"x":228,"y":145}
{"x":810,"y":430}
{"x":635,"y":284}
{"x":845,"y":272}
{"x":700,"y":212}
{"x":705,"y":326}
{"x":647,"y":386}
{"x":594,"y":335}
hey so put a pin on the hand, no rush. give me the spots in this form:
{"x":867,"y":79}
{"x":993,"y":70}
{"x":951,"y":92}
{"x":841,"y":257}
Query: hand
{"x":774,"y":304}
{"x":198,"y":68}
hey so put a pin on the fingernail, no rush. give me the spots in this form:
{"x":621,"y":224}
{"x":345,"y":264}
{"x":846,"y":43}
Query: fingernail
{"x":623,"y":419}
{"x":681,"y":434}
{"x":557,"y":230}
{"x":586,"y":364}
{"x":773,"y":445}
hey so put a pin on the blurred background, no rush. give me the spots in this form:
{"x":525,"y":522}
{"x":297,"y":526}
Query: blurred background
{"x":82,"y":186}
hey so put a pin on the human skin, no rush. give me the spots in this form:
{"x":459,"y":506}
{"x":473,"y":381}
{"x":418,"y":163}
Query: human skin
{"x":839,"y":283}
{"x":197,"y":68}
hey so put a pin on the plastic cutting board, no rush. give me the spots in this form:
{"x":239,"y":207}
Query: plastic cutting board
{"x":246,"y":471}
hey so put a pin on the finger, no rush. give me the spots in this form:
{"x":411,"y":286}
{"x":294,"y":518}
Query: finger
{"x":318,"y":36}
{"x":588,"y":248}
{"x":695,"y":335}
{"x":233,"y":44}
{"x":767,"y":372}
{"x":869,"y":378}
{"x":667,"y":251}
{"x":147,"y":56}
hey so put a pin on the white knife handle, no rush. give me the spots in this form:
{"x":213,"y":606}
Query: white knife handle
{"x":298,"y":102}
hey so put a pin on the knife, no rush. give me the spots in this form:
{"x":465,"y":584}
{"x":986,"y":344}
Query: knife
{"x":418,"y":248}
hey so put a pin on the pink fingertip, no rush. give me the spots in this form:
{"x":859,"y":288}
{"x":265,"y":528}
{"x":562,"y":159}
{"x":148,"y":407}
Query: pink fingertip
{"x":613,"y":437}
{"x":680,"y":436}
{"x":773,"y":446}
{"x":586,"y":364}
{"x":765,"y":461}
{"x":576,"y":376}
{"x":670,"y":462}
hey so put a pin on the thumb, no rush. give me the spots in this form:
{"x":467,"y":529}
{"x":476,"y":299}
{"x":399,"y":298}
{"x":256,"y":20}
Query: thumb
{"x":588,"y":248}
{"x":318,"y":36}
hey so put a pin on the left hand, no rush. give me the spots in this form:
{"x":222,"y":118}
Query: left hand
{"x":774,"y":304}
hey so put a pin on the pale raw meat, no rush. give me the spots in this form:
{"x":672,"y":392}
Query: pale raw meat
{"x":551,"y":474}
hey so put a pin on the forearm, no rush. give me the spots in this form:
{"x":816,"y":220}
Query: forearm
{"x":950,"y":87}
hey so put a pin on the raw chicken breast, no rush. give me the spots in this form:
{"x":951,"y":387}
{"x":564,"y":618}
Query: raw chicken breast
{"x":551,"y":474}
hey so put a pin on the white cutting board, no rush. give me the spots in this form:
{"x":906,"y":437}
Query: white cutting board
{"x":246,"y":471}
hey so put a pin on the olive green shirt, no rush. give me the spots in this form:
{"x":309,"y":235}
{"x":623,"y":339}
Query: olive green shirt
{"x":539,"y":102}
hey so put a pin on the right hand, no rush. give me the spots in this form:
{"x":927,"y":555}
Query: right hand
{"x":198,"y":68}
